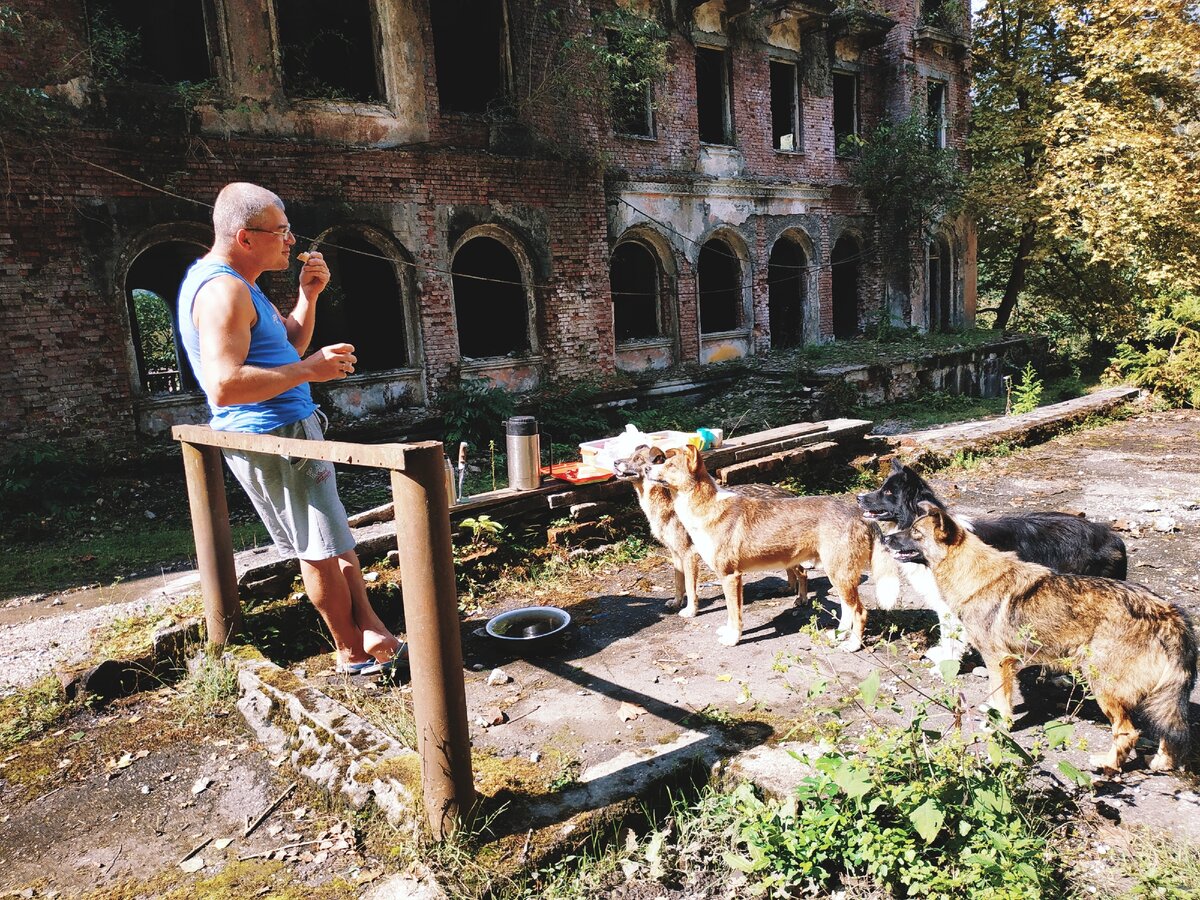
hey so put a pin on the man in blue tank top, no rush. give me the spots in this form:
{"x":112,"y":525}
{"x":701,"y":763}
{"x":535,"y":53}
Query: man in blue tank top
{"x":248,"y":358}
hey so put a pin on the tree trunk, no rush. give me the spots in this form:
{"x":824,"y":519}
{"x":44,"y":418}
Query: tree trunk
{"x":1016,"y":278}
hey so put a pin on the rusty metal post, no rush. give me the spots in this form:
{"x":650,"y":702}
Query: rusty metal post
{"x":434,"y":642}
{"x":214,"y":541}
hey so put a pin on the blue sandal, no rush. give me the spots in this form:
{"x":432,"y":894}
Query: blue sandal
{"x":368,"y":666}
{"x":398,"y":663}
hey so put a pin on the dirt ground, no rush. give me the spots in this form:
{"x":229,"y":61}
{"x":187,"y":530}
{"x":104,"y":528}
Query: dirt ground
{"x":634,"y":684}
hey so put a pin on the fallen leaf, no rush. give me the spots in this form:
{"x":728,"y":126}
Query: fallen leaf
{"x":195,"y":864}
{"x":628,"y":711}
{"x":125,"y":761}
{"x":201,"y":785}
{"x":725,"y":677}
{"x":136,"y":717}
{"x":141,"y":754}
{"x":222,"y":843}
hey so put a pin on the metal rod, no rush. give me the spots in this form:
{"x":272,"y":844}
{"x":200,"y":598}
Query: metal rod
{"x":434,"y":641}
{"x":214,"y":541}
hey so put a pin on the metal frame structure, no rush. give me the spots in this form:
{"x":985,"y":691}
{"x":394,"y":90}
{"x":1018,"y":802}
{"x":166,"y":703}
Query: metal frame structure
{"x":426,"y":571}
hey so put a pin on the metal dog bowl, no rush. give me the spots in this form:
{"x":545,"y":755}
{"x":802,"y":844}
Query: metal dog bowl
{"x":530,"y":627}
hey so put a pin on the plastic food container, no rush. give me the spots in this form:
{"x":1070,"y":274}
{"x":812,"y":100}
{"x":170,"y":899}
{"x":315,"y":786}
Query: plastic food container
{"x":603,"y":453}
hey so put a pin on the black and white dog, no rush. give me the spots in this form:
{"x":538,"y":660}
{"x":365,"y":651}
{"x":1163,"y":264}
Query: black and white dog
{"x":1060,"y":541}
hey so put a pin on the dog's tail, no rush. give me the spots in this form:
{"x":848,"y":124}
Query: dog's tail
{"x":1166,"y":706}
{"x":885,"y":574}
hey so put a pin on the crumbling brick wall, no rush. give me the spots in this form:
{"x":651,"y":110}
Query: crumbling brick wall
{"x":131,"y":165}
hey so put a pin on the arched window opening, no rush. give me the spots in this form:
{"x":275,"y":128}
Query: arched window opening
{"x":152,"y":294}
{"x":719,"y":273}
{"x":470,"y":50}
{"x":328,"y":50}
{"x":634,"y":278}
{"x":846,"y":270}
{"x":156,"y":43}
{"x":490,"y":300}
{"x":363,"y":304}
{"x":787,"y":279}
{"x":938,"y":286}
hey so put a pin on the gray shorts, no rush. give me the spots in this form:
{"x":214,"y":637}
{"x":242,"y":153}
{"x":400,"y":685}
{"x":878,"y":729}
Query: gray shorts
{"x":297,"y":499}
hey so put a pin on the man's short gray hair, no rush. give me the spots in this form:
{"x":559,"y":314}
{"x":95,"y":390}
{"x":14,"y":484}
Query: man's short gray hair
{"x":239,"y":205}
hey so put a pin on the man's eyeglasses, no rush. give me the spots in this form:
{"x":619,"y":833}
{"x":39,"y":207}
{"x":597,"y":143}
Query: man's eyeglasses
{"x":285,"y":233}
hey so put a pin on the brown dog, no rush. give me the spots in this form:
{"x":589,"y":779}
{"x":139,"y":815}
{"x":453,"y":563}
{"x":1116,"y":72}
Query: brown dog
{"x":1133,"y":647}
{"x":735,"y":534}
{"x":655,"y":501}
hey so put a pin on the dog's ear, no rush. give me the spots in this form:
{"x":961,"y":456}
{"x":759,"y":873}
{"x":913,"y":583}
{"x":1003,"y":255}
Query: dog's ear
{"x":693,"y":457}
{"x":945,"y":529}
{"x":897,"y":466}
{"x":674,"y":451}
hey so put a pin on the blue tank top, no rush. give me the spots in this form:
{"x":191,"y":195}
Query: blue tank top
{"x":269,"y":348}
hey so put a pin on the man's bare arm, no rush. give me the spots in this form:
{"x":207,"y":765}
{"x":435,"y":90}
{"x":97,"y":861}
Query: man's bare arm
{"x":224,"y":314}
{"x":314,"y":276}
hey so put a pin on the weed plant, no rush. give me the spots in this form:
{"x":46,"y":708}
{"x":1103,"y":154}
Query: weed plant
{"x":29,"y":712}
{"x":1026,"y":393}
{"x":213,"y":686}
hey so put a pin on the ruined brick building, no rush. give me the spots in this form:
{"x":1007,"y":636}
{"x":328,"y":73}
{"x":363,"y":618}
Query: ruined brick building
{"x":484,"y":211}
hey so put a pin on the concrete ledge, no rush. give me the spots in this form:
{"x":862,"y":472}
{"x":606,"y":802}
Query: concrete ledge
{"x":935,"y":446}
{"x":329,"y":744}
{"x":634,"y":774}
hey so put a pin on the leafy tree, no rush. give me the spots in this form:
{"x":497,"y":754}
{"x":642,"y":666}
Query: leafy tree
{"x":911,"y":182}
{"x":155,"y":330}
{"x":1123,"y":143}
{"x":1019,"y":58}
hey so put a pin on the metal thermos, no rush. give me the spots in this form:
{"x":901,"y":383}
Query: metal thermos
{"x":449,"y":481}
{"x":523,"y":446}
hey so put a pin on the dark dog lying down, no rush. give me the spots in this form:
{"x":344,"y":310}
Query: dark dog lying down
{"x":1134,"y":649}
{"x":1060,"y":541}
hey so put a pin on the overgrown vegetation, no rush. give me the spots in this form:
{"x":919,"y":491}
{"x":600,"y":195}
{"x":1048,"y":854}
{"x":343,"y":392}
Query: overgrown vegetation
{"x":1025,"y":394}
{"x":1085,"y":120}
{"x":910,"y":181}
{"x":30,"y":711}
{"x":930,"y":809}
{"x":1167,"y":358}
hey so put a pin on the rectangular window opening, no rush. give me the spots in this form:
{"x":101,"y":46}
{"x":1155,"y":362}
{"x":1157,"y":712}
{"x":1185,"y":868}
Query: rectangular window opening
{"x":152,"y":43}
{"x":845,"y":108}
{"x":713,"y":106}
{"x":632,"y":104}
{"x":785,"y":106}
{"x":471,"y":54}
{"x":328,"y":50}
{"x":937,"y":114}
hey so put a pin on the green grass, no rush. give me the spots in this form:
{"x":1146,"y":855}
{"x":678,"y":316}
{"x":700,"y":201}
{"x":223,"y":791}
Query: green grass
{"x":1161,"y":868}
{"x":68,"y":560}
{"x":30,"y":711}
{"x":908,"y":345}
{"x":936,"y":408}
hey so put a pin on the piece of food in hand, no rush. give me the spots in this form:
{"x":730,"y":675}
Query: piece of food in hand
{"x":303,"y":256}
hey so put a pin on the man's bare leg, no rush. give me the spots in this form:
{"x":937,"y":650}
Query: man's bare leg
{"x":331,"y":596}
{"x":376,"y":638}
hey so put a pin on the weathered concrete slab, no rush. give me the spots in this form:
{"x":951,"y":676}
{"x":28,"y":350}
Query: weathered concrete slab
{"x":328,"y":743}
{"x":937,"y":445}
